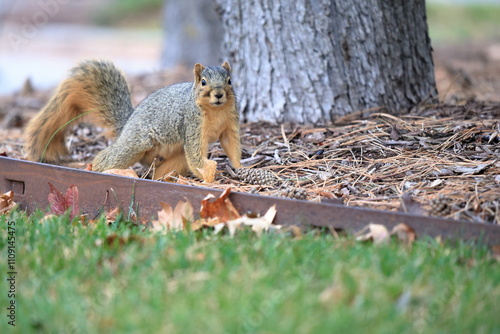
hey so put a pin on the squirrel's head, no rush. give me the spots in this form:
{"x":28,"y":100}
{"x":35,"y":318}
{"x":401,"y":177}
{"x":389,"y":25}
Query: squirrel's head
{"x":213,"y":85}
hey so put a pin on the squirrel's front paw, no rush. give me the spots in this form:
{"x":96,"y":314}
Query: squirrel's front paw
{"x":208,"y":170}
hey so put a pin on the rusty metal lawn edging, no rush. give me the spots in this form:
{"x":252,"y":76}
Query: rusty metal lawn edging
{"x":29,"y":182}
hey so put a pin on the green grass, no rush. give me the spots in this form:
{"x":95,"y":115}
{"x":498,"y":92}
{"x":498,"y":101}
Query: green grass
{"x":452,"y":23}
{"x":70,"y":279}
{"x":145,"y":13}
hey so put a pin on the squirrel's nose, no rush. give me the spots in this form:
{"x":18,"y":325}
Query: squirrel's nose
{"x":219,"y":96}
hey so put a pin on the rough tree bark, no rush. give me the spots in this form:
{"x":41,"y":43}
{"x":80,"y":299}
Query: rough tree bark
{"x":193,"y":33}
{"x":311,"y":61}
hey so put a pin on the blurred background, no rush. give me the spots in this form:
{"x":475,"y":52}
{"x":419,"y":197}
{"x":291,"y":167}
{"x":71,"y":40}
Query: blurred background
{"x":42,"y":39}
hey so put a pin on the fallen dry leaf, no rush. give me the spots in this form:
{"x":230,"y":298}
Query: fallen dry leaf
{"x":173,"y":219}
{"x":164,"y":218}
{"x":232,"y":226}
{"x":376,"y":232}
{"x":7,"y":202}
{"x":262,"y":223}
{"x":184,"y":211}
{"x":218,"y":227}
{"x":295,"y":231}
{"x":208,"y":170}
{"x":47,"y":217}
{"x":379,"y":234}
{"x":215,"y":213}
{"x":206,"y":222}
{"x":112,"y":215}
{"x":71,"y":198}
{"x":122,"y":172}
{"x":57,"y":201}
{"x":258,"y":224}
{"x":221,"y":208}
{"x":404,"y":233}
{"x":60,"y":203}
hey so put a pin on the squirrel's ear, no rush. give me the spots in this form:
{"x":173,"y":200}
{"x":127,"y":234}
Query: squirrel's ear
{"x":198,"y":68}
{"x":226,"y":66}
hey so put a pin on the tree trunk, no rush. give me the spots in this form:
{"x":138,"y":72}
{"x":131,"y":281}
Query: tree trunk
{"x":193,"y":33}
{"x":311,"y":61}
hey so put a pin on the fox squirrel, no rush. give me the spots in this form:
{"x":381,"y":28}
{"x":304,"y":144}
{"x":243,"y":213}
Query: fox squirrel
{"x":172,"y":127}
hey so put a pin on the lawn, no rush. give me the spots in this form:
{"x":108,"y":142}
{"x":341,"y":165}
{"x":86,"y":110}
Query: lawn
{"x":454,"y":23}
{"x":122,"y":279}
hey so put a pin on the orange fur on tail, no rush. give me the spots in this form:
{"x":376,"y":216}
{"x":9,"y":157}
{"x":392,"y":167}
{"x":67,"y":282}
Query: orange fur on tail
{"x":87,"y":92}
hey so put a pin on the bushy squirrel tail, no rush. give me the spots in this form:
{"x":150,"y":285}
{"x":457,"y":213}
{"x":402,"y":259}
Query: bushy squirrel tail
{"x":95,"y":89}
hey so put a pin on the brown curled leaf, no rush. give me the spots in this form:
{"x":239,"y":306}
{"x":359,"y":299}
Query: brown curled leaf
{"x":221,"y":208}
{"x":7,"y":202}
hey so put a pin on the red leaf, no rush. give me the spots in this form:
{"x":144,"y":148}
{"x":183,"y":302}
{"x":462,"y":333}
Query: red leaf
{"x":71,"y":198}
{"x":220,"y":208}
{"x":57,"y":201}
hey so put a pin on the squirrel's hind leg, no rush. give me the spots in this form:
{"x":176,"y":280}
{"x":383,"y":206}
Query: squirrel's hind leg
{"x":168,"y":160}
{"x":123,"y":153}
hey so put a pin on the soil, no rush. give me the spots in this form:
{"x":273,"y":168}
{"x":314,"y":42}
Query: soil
{"x":445,"y":156}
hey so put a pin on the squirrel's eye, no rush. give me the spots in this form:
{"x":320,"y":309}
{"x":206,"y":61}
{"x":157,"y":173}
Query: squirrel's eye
{"x":203,"y":82}
{"x":229,"y":81}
